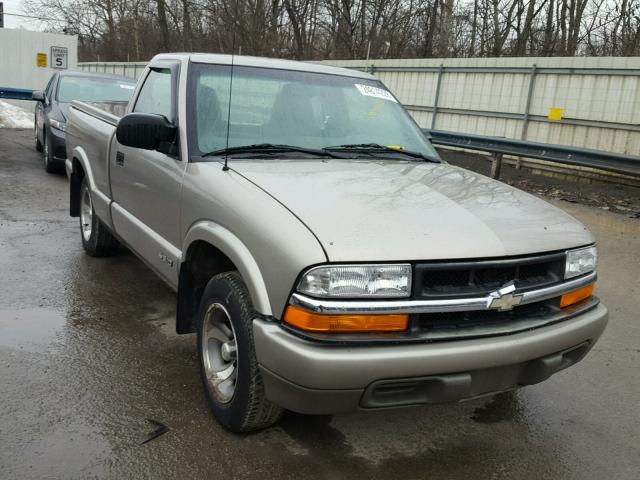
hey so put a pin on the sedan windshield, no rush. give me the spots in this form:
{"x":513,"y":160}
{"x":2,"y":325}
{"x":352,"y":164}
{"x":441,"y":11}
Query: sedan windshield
{"x":94,"y":89}
{"x":298,"y":109}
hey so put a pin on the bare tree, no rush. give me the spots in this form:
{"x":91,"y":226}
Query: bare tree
{"x":318,"y":29}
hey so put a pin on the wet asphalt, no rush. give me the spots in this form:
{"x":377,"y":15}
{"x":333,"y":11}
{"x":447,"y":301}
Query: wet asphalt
{"x":88,"y":355}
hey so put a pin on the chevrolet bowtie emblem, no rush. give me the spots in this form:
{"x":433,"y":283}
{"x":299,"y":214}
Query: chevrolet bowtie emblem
{"x":504,"y":298}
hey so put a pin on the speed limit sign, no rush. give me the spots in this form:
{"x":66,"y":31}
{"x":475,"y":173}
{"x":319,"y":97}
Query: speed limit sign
{"x":59,"y":56}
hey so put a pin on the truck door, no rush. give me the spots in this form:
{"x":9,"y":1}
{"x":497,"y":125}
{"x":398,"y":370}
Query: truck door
{"x":146,"y":184}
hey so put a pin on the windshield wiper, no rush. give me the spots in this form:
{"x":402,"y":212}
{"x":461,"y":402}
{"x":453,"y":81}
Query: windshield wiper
{"x":271,"y":149}
{"x":376,"y":148}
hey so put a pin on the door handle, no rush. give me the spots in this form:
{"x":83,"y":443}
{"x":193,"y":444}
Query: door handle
{"x":120,"y":159}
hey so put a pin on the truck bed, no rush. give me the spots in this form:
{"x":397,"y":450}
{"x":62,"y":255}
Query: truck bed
{"x":109,"y":112}
{"x":90,"y":131}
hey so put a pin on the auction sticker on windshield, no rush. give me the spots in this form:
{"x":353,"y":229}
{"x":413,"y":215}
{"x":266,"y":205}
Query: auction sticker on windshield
{"x":370,"y":91}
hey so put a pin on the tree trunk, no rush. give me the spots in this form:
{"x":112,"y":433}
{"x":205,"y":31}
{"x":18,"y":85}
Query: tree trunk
{"x":164,"y":28}
{"x":186,"y":27}
{"x":547,"y":48}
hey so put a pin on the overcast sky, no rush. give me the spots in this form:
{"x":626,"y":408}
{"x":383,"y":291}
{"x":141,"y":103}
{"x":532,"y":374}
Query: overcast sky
{"x":15,"y":6}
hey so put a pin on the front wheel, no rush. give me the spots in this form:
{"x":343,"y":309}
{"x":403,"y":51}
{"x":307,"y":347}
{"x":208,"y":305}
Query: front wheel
{"x":232,"y":380}
{"x":50,"y":164}
{"x":38,"y":142}
{"x":97,"y":240}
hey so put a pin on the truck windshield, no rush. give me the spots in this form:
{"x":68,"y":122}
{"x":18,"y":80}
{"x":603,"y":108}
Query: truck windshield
{"x":302,"y":109}
{"x":94,"y":89}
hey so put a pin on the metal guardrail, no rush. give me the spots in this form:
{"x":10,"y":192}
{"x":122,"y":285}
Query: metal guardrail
{"x":584,"y":157}
{"x":15,"y":93}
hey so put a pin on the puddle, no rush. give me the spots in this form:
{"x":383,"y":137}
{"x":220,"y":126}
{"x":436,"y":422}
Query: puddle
{"x":501,"y":407}
{"x":66,"y":450}
{"x":29,"y":328}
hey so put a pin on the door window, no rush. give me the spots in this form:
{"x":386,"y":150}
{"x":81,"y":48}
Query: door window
{"x":155,"y":96}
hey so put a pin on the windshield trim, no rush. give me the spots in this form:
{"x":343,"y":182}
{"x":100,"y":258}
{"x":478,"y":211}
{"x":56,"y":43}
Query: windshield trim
{"x":282,"y":69}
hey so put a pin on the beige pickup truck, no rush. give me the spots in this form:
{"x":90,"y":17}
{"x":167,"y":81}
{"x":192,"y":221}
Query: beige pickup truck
{"x":324,"y":254}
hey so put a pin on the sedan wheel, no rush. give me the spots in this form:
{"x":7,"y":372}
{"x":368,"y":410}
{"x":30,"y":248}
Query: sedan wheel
{"x":45,"y":152}
{"x":50,"y":165}
{"x":39,"y":147}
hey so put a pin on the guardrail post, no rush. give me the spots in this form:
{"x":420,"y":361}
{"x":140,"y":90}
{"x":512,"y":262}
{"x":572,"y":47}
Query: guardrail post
{"x":527,"y":108}
{"x":496,"y":165}
{"x":437,"y":96}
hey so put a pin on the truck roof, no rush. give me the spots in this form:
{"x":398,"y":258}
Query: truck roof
{"x":262,"y":62}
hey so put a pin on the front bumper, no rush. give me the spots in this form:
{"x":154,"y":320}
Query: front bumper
{"x":58,"y":144}
{"x":316,"y":378}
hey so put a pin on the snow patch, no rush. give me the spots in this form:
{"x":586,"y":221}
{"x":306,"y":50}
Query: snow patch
{"x":14,"y":117}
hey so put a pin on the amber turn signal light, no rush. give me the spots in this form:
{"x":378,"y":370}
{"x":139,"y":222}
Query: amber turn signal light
{"x":576,"y":296}
{"x":318,"y":322}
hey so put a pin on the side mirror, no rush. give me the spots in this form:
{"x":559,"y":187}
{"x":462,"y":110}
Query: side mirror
{"x":38,"y":96}
{"x":147,"y":131}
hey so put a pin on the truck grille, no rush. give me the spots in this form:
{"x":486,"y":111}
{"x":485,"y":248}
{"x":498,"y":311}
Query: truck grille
{"x":461,"y":320}
{"x":463,"y":279}
{"x":460,"y":325}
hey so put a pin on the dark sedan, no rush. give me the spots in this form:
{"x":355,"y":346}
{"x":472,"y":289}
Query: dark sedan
{"x":53,"y":105}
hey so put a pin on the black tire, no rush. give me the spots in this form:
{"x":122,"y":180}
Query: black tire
{"x":50,"y":165}
{"x":39,"y":147}
{"x":247,"y":409}
{"x":97,"y":240}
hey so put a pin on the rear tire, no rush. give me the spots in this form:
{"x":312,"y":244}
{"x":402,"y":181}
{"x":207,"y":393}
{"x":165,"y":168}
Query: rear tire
{"x":226,"y":352}
{"x":97,"y":240}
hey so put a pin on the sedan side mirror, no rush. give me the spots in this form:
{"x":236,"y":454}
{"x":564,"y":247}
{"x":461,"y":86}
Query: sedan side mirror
{"x":147,"y":131}
{"x":38,"y":96}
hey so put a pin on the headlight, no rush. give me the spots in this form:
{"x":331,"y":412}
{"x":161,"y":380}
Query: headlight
{"x":580,"y":261}
{"x":357,"y":281}
{"x":59,"y":125}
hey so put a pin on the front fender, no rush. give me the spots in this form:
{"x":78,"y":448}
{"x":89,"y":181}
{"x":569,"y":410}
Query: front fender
{"x":77,"y":167}
{"x":80,"y":156}
{"x":101,"y":202}
{"x":238,"y":253}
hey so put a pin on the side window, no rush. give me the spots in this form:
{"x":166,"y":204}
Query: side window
{"x":155,"y":95}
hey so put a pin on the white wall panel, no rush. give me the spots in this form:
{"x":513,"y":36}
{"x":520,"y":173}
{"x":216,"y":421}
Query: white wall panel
{"x":18,"y":67}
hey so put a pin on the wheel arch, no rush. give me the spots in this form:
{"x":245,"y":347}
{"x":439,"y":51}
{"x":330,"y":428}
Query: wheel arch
{"x":80,"y":168}
{"x":209,"y":249}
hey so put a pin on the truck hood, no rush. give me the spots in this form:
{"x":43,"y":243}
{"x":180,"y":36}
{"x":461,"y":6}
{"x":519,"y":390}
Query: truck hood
{"x":395,"y":210}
